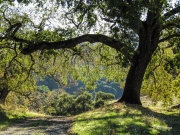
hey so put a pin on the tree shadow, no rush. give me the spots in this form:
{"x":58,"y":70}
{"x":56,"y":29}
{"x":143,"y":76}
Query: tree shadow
{"x":132,"y":123}
{"x":109,"y":126}
{"x":171,"y":119}
{"x":2,"y":115}
{"x":46,"y":125}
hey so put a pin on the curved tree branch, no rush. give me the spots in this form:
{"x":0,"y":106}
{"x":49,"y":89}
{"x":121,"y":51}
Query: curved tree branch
{"x":23,"y":41}
{"x":11,"y":61}
{"x":92,"y":38}
{"x":172,"y":12}
{"x":9,"y":22}
{"x":30,"y":69}
{"x":80,"y":22}
{"x":17,"y":26}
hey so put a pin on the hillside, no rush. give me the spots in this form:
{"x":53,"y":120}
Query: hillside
{"x":121,"y":119}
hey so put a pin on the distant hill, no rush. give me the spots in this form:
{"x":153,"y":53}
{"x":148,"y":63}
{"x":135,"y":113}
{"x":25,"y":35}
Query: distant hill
{"x":102,"y":85}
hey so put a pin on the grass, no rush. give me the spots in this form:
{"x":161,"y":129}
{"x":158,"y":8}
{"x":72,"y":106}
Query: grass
{"x":113,"y":119}
{"x":121,"y":119}
{"x":11,"y":114}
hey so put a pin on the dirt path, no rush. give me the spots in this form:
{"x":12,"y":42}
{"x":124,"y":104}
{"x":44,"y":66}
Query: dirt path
{"x":40,"y":126}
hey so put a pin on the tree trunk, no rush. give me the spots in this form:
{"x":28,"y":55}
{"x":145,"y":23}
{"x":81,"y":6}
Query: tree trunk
{"x":3,"y":94}
{"x":134,"y":79}
{"x":148,"y":42}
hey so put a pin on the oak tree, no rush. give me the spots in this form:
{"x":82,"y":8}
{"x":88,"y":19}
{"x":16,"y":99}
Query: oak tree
{"x":134,"y":28}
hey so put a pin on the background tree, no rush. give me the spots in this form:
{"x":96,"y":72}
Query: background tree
{"x":134,"y":29}
{"x":15,"y":72}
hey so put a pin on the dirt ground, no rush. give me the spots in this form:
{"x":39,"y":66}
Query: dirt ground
{"x":40,"y":126}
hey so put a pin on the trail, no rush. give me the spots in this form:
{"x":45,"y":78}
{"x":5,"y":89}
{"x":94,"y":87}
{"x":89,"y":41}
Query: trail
{"x":40,"y":126}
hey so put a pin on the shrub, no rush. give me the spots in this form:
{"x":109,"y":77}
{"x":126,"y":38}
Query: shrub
{"x":104,"y":96}
{"x":66,"y":104}
{"x":50,"y":110}
{"x":84,"y":102}
{"x":99,"y":103}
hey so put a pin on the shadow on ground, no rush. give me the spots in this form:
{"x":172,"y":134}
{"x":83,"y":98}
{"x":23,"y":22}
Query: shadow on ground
{"x":46,"y":125}
{"x":145,"y":122}
{"x":171,"y":119}
{"x":2,"y":115}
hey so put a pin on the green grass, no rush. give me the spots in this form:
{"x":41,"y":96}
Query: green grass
{"x":121,"y":119}
{"x":9,"y":115}
{"x":113,"y":119}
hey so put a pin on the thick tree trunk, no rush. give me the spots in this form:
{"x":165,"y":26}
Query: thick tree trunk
{"x":3,"y":95}
{"x":148,"y":42}
{"x":134,"y":79}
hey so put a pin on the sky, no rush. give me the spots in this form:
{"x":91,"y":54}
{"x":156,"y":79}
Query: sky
{"x":55,"y":20}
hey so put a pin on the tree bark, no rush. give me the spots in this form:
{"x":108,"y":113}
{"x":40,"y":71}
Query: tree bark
{"x":134,"y":79}
{"x":3,"y":94}
{"x":148,"y":42}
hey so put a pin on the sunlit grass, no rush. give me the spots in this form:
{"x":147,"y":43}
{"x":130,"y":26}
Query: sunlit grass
{"x":121,"y":119}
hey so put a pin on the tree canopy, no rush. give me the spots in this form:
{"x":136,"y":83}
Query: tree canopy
{"x":97,"y":38}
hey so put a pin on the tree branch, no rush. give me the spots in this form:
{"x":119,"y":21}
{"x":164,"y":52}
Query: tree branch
{"x":92,"y":38}
{"x":72,"y":20}
{"x":6,"y":18}
{"x":169,"y":37}
{"x":10,"y":63}
{"x":17,"y":27}
{"x":172,"y":12}
{"x":22,"y":41}
{"x":10,"y":30}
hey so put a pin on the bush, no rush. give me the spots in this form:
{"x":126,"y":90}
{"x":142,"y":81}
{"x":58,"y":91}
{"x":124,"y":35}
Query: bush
{"x":101,"y":98}
{"x":83,"y":102}
{"x":99,"y":103}
{"x":66,"y":104}
{"x":104,"y":96}
{"x":58,"y":102}
{"x":50,"y":110}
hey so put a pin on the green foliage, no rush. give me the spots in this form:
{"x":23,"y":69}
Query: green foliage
{"x":58,"y":20}
{"x":66,"y":104}
{"x":104,"y":96}
{"x":162,"y":77}
{"x":172,"y":64}
{"x":71,"y":104}
{"x":98,"y":103}
{"x":17,"y":100}
{"x":101,"y":98}
{"x":58,"y":102}
{"x":43,"y":88}
{"x":15,"y":71}
{"x":84,"y":102}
